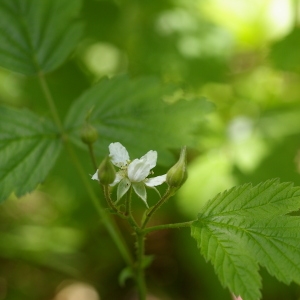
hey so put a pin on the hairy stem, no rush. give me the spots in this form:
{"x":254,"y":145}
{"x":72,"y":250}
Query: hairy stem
{"x":108,"y":198}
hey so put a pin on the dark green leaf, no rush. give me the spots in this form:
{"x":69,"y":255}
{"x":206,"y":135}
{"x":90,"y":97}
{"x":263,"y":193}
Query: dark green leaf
{"x":29,"y":147}
{"x":247,"y":225}
{"x":285,"y":53}
{"x":37,"y":36}
{"x":133,"y":113}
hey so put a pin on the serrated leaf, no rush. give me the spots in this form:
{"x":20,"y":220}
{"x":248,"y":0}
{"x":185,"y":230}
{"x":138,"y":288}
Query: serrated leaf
{"x":266,"y":199}
{"x":37,"y":36}
{"x":29,"y":147}
{"x":132,"y":112}
{"x":235,"y":267}
{"x":247,"y":225}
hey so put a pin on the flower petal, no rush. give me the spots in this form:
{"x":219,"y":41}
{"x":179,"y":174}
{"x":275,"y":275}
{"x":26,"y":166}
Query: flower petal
{"x":138,"y":170}
{"x":123,"y":187}
{"x":95,"y":176}
{"x":151,"y":158}
{"x":154,"y":181}
{"x":118,"y":154}
{"x":140,"y":190}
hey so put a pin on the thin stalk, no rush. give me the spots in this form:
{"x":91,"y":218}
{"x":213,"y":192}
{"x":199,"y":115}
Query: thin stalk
{"x":164,"y":198}
{"x":105,"y":218}
{"x":128,"y":211}
{"x":140,"y":274}
{"x":93,"y":156}
{"x":167,"y":226}
{"x":108,"y":199}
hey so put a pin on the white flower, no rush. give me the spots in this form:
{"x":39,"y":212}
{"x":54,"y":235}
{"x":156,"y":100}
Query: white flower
{"x":133,"y":173}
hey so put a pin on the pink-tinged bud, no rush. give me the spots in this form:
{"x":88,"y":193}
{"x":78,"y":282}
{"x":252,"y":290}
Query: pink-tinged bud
{"x":177,"y":175}
{"x":89,"y":134}
{"x":106,"y":172}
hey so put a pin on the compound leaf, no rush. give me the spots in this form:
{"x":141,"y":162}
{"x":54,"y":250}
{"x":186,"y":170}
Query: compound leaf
{"x":133,"y":113}
{"x":29,"y":147}
{"x":37,"y":36}
{"x":247,"y":226}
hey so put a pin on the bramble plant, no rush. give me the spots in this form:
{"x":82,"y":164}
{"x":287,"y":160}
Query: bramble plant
{"x":238,"y":230}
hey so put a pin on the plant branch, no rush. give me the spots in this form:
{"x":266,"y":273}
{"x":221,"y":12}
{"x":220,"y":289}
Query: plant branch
{"x":163,"y":199}
{"x":167,"y":226}
{"x":108,"y":199}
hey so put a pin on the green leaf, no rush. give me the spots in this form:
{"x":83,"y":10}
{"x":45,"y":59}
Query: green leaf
{"x":246,"y":226}
{"x":133,"y":113}
{"x":267,"y":199}
{"x":37,"y":36}
{"x":232,"y":262}
{"x":29,"y":147}
{"x":284,"y":54}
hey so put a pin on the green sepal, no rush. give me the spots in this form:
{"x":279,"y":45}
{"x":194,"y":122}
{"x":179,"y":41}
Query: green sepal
{"x":123,"y":188}
{"x":140,"y":190}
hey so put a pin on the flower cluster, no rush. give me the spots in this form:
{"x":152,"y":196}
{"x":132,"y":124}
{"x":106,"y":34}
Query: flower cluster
{"x":133,"y":173}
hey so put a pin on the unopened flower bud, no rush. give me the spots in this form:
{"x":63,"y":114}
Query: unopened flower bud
{"x":89,"y":134}
{"x":106,"y":172}
{"x":177,"y":175}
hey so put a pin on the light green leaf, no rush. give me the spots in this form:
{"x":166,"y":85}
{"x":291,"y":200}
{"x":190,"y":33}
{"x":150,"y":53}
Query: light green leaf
{"x":267,"y":199}
{"x":37,"y":36}
{"x":232,"y":262}
{"x":246,"y":226}
{"x":133,"y":113}
{"x":29,"y":147}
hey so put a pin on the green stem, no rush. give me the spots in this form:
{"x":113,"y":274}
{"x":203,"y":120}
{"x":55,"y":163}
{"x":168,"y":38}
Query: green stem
{"x":92,"y":155}
{"x":128,"y":212}
{"x":140,"y":274}
{"x":108,"y":223}
{"x":164,"y":198}
{"x":128,"y":202}
{"x":108,"y":199}
{"x":167,"y":226}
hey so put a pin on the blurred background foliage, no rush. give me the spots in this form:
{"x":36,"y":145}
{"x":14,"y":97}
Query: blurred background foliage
{"x":242,"y":55}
